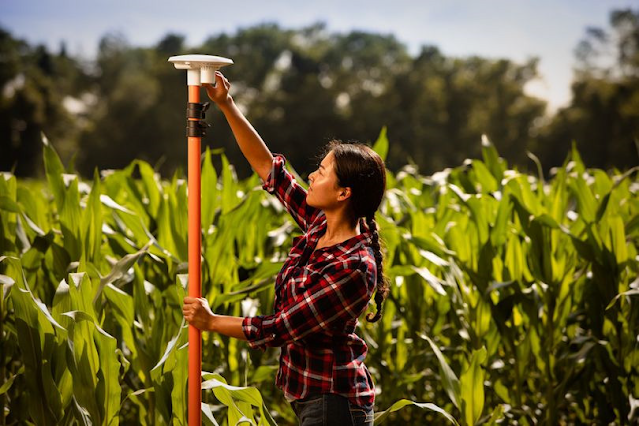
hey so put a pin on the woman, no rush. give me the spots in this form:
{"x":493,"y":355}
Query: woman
{"x":326,"y":282}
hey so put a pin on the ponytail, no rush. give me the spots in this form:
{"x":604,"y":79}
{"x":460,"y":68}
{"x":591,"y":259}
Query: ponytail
{"x":382,"y":283}
{"x":362,"y":170}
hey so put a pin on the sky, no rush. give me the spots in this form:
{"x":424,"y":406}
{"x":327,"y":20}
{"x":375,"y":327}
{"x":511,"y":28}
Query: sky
{"x":513,"y":29}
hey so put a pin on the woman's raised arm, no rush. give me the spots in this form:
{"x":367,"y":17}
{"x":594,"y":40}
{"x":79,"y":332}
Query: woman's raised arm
{"x":249,"y":141}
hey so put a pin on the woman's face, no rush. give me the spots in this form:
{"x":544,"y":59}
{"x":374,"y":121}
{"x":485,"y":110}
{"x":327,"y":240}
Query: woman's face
{"x":324,"y":192}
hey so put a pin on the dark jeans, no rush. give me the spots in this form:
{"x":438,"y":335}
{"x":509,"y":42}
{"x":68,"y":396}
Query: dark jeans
{"x":330,"y":410}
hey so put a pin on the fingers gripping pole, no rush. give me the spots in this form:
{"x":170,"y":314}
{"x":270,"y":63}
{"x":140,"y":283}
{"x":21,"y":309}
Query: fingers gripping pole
{"x":200,"y":69}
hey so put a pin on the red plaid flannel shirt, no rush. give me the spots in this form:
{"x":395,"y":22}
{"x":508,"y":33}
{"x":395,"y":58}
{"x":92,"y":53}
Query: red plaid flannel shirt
{"x":319,"y":295}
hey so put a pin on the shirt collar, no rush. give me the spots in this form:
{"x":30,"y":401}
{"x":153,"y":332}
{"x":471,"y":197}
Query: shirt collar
{"x":345,"y":247}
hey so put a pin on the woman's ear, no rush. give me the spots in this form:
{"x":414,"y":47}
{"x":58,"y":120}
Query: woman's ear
{"x":344,"y":194}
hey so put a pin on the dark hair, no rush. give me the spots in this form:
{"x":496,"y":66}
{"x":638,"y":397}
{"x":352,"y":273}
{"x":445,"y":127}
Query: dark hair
{"x":362,"y":170}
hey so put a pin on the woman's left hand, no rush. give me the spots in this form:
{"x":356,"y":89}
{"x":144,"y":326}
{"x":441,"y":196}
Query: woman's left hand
{"x":198,"y":313}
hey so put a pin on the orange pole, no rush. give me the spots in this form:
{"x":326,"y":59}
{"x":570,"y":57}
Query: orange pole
{"x":195,"y":270}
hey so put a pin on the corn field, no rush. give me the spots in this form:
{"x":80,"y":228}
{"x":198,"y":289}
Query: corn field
{"x":513,"y":296}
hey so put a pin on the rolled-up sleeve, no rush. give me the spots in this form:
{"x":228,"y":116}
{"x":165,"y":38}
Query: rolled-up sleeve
{"x":342,"y":294}
{"x":281,"y":183}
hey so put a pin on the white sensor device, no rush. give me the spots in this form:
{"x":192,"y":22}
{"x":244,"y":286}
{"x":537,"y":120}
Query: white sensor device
{"x":200,"y":68}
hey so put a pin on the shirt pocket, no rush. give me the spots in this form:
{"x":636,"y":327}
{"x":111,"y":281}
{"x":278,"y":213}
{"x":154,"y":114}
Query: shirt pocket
{"x":303,"y":279}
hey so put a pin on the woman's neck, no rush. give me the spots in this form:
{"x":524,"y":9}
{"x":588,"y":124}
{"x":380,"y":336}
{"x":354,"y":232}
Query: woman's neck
{"x":339,"y":228}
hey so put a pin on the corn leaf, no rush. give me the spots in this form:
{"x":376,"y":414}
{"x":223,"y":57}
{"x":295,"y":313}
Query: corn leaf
{"x":472,"y":388}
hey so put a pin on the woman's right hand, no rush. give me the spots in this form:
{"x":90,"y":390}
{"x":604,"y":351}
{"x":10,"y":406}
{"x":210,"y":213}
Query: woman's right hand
{"x":220,"y":92}
{"x":198,"y":313}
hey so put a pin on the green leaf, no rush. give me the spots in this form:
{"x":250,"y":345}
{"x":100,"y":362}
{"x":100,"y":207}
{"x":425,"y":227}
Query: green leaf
{"x":263,"y":373}
{"x":381,"y":145}
{"x":54,"y":171}
{"x":619,"y":244}
{"x":540,"y":173}
{"x":547,"y":220}
{"x":497,"y":416}
{"x":9,"y":205}
{"x":179,"y":395}
{"x":122,"y":305}
{"x":181,"y":286}
{"x":601,"y":209}
{"x":430,"y":244}
{"x":170,"y":347}
{"x":109,"y":391}
{"x":165,"y":228}
{"x":472,"y":388}
{"x":84,"y":363}
{"x":208,"y":415}
{"x":210,"y":191}
{"x":91,"y":228}
{"x":121,"y":267}
{"x":70,"y":220}
{"x":38,"y":334}
{"x":450,"y":380}
{"x":585,"y":198}
{"x":6,"y":280}
{"x":35,"y":228}
{"x":228,"y":394}
{"x":502,"y":391}
{"x":380,"y":417}
{"x":499,"y":231}
{"x":634,"y":291}
{"x":229,"y":186}
{"x":484,"y":177}
{"x":110,"y":202}
{"x":84,"y":298}
{"x":432,"y":280}
{"x":495,"y":164}
{"x":633,"y":225}
{"x":178,"y":214}
{"x":151,"y":185}
{"x":7,"y":385}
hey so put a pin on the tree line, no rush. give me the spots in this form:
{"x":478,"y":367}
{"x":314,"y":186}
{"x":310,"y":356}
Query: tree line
{"x":303,"y":87}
